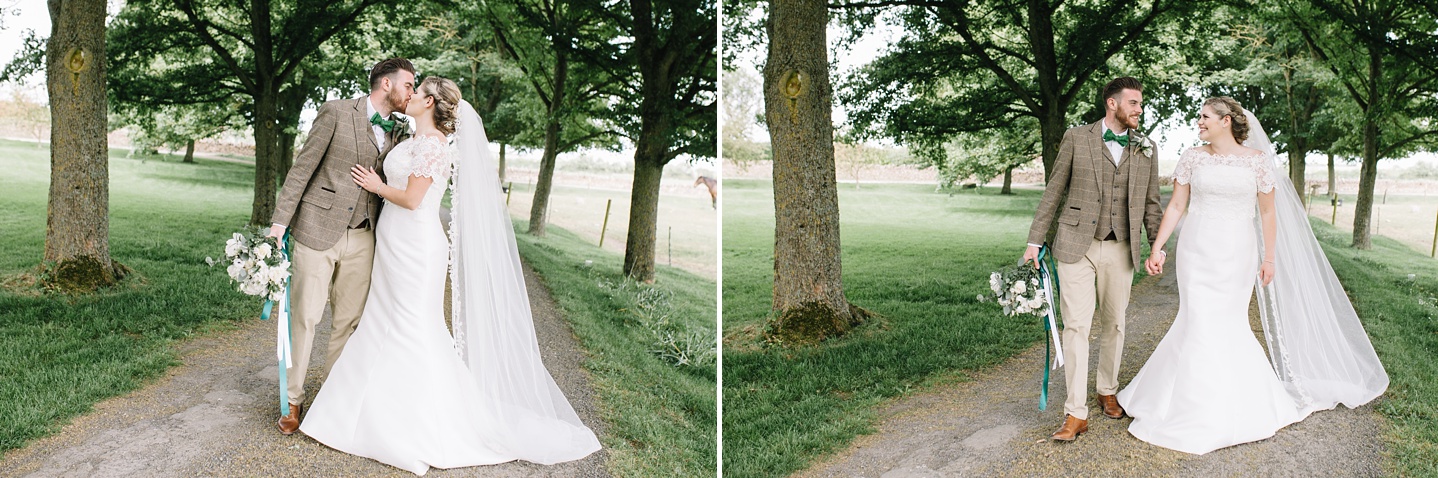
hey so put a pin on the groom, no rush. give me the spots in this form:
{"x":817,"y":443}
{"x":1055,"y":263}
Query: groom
{"x":332,"y":219}
{"x":1103,"y":187}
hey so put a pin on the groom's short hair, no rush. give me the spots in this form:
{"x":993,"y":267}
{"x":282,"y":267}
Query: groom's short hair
{"x":386,"y":68}
{"x":1119,"y":84}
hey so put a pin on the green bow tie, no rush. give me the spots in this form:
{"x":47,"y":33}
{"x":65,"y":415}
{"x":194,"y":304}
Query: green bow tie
{"x":1122,"y":140}
{"x":388,"y":125}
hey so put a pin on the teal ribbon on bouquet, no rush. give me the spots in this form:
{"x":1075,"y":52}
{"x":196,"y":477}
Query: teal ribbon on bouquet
{"x":1052,"y":343}
{"x":282,"y":334}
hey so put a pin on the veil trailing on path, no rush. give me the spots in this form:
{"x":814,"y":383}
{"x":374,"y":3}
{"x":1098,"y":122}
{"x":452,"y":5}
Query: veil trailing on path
{"x":492,"y":323}
{"x":1315,"y":341}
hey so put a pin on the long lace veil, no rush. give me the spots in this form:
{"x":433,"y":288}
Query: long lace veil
{"x":492,"y":322}
{"x":1315,"y":341}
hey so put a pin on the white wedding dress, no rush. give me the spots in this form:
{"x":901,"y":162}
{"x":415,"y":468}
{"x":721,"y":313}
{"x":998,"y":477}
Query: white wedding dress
{"x":402,"y":393}
{"x":1208,"y":384}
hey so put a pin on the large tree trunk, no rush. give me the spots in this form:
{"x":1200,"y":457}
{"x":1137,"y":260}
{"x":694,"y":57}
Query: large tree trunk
{"x":1363,"y":213}
{"x":1008,"y":181}
{"x":501,"y":163}
{"x":286,"y":157}
{"x":643,"y":215}
{"x":1332,"y":179}
{"x":267,"y":116}
{"x":190,"y":151}
{"x":267,"y":156}
{"x":539,"y":210}
{"x":1051,"y":133}
{"x":1297,"y":147}
{"x":808,"y":293}
{"x":1368,"y":175}
{"x":1298,"y":169}
{"x":656,"y":139}
{"x":77,"y":230}
{"x":291,"y":103}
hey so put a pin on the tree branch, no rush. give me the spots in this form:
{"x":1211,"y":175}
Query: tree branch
{"x":197,"y":24}
{"x":960,"y":25}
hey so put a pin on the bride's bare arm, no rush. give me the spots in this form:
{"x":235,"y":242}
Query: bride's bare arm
{"x":1177,"y":205}
{"x":408,"y":198}
{"x":1270,"y":236}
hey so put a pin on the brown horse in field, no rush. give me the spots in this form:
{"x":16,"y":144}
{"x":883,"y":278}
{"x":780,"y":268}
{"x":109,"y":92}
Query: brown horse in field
{"x":713,"y":186}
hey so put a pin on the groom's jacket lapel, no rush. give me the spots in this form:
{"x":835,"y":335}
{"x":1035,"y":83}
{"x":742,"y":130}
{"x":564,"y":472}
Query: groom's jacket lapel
{"x":319,"y":198}
{"x":363,"y":129}
{"x":1098,"y":151}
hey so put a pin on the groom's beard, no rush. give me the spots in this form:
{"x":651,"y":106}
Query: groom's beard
{"x":1128,"y":122}
{"x":396,"y":101}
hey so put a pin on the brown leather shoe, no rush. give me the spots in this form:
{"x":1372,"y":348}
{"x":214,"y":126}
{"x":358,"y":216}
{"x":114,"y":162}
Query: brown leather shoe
{"x":289,"y":423}
{"x":1110,"y":406}
{"x":1071,"y":429}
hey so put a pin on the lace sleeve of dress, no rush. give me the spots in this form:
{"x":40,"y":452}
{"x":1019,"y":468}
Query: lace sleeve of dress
{"x":1265,"y":173}
{"x":431,"y":158}
{"x":1184,"y":172}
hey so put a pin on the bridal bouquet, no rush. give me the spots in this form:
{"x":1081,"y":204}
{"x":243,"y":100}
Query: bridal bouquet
{"x":262,"y":269}
{"x":1019,"y":289}
{"x":256,"y":264}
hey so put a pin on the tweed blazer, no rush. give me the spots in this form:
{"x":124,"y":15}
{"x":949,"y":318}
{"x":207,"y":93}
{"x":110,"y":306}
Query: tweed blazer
{"x":319,"y":196}
{"x":1070,"y":205}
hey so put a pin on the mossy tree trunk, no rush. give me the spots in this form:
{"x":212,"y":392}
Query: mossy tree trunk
{"x":1368,"y":174}
{"x":190,"y":151}
{"x":639,"y":242}
{"x":539,"y":210}
{"x":77,"y":230}
{"x":674,"y":46}
{"x":809,"y":296}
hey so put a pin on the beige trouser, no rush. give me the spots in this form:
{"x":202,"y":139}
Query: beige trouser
{"x":1102,"y":278}
{"x":338,"y":275}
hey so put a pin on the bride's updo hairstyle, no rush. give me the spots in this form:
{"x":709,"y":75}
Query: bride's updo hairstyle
{"x":446,"y":101}
{"x":1225,"y":106}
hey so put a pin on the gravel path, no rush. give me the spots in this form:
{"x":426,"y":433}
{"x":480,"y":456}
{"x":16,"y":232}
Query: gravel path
{"x":215,"y":416}
{"x":991,"y":426}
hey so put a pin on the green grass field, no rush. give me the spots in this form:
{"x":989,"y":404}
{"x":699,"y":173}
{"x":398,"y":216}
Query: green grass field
{"x":919,"y":258}
{"x":686,"y":230}
{"x":63,"y":354}
{"x":1401,"y":316}
{"x":662,"y":418}
{"x":1408,"y":219}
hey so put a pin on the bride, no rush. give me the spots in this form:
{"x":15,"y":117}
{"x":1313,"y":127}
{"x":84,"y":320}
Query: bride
{"x":1208,"y":384}
{"x":407,"y":393}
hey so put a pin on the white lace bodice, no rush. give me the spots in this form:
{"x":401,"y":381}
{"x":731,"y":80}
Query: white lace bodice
{"x":420,"y":156}
{"x":1224,"y":186}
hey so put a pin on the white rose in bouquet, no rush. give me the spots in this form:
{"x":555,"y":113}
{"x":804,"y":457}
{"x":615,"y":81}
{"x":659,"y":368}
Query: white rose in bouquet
{"x":234,"y":246}
{"x":278,"y":273}
{"x":263,"y":251}
{"x":1018,"y":289}
{"x":256,"y":265}
{"x":253,"y":288}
